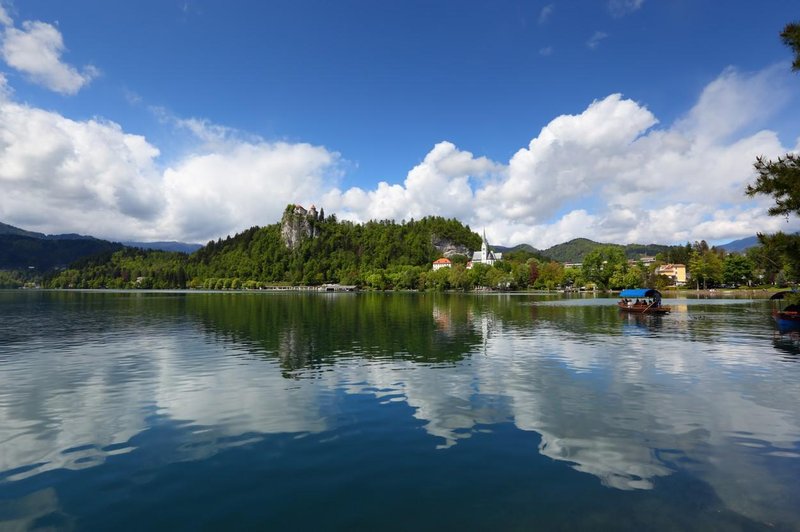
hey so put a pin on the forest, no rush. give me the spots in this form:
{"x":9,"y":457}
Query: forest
{"x":386,"y":255}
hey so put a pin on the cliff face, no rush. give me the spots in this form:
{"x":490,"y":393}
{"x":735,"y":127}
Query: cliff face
{"x":295,"y":226}
{"x":447,"y":248}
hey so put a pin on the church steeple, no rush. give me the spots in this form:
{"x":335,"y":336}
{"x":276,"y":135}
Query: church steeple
{"x":485,"y":255}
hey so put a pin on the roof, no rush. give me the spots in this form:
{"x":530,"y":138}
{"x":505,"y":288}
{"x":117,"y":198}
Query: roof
{"x":442,"y":261}
{"x":640,"y":292}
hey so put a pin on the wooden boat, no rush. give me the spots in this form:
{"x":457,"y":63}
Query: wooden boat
{"x":635,"y":300}
{"x":788,"y":318}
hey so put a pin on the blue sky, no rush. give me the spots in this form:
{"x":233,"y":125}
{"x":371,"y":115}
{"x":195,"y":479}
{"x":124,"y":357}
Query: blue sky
{"x":618,"y":120}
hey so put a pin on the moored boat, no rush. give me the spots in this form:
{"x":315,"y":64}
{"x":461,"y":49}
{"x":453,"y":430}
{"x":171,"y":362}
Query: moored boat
{"x":788,"y":318}
{"x":642,"y":301}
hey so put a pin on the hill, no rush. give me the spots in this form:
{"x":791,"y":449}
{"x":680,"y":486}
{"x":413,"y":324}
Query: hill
{"x":20,"y":252}
{"x":575,"y":250}
{"x":6,"y":229}
{"x":21,"y":249}
{"x":743,"y":244}
{"x":521,"y":253}
{"x":180,"y":247}
{"x":303,"y":249}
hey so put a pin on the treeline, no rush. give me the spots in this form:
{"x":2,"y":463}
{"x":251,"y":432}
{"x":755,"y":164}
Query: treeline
{"x":385,"y":255}
{"x":388,"y":253}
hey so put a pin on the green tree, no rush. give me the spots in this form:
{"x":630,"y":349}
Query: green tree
{"x":551,"y":275}
{"x":573,"y":277}
{"x":705,"y":267}
{"x":791,"y":38}
{"x":781,"y":180}
{"x":737,"y":269}
{"x":599,"y":265}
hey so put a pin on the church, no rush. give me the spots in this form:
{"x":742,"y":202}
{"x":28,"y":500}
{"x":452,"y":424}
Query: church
{"x":485,"y":255}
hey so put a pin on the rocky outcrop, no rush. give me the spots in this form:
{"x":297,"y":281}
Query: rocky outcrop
{"x":295,"y":226}
{"x":447,"y":248}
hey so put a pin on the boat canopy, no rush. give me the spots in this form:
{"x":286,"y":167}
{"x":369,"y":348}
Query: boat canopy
{"x":781,"y":295}
{"x":640,"y":292}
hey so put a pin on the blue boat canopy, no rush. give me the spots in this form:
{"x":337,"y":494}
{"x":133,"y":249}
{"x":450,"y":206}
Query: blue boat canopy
{"x":640,"y":292}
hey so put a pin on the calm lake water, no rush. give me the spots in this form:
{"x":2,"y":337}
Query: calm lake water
{"x":165,"y":411}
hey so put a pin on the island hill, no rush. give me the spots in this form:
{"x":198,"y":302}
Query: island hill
{"x":308,"y":248}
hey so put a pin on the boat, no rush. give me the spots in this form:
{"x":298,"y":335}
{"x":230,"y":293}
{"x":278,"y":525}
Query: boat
{"x":635,"y":300}
{"x":788,"y":318}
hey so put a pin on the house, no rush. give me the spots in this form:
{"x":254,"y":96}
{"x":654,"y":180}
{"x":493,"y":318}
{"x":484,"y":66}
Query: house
{"x":676,"y":272}
{"x":485,"y":255}
{"x":441,"y":263}
{"x":644,"y":259}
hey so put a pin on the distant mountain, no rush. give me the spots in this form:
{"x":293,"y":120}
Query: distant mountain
{"x":181,"y":247}
{"x":743,"y":244}
{"x":575,"y":250}
{"x":6,"y":229}
{"x":29,"y":250}
{"x":520,"y":247}
{"x":521,"y":252}
{"x":20,"y":252}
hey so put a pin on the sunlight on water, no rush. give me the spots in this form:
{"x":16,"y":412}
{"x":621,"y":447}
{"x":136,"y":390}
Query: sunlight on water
{"x":120,"y":409}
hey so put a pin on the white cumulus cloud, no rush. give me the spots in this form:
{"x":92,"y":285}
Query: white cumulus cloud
{"x":36,"y":50}
{"x":440,"y":184}
{"x":610,"y":172}
{"x":86,"y":176}
{"x":245,"y":184}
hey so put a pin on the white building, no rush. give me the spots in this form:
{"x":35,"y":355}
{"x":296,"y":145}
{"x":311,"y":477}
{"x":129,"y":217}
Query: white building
{"x":441,"y":263}
{"x":485,"y":255}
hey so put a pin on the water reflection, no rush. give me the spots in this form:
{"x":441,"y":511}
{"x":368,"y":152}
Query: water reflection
{"x":789,"y":345}
{"x":626,"y":399}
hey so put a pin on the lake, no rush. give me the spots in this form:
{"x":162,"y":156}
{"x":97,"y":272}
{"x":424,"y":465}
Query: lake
{"x":302,"y":411}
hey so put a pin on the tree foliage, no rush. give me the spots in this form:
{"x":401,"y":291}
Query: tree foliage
{"x":791,"y":38}
{"x":781,"y":180}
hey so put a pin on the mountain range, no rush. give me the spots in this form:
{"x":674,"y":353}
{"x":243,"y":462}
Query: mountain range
{"x":20,"y":249}
{"x":28,"y":250}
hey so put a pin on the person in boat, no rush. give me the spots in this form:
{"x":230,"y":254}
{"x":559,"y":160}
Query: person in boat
{"x":637,"y":302}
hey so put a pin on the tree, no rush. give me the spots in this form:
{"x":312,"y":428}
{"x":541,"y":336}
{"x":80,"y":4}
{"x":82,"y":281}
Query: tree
{"x":600,"y":264}
{"x":791,"y":38}
{"x":705,"y":267}
{"x":533,"y":271}
{"x":781,"y":180}
{"x":737,"y":269}
{"x":551,"y":275}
